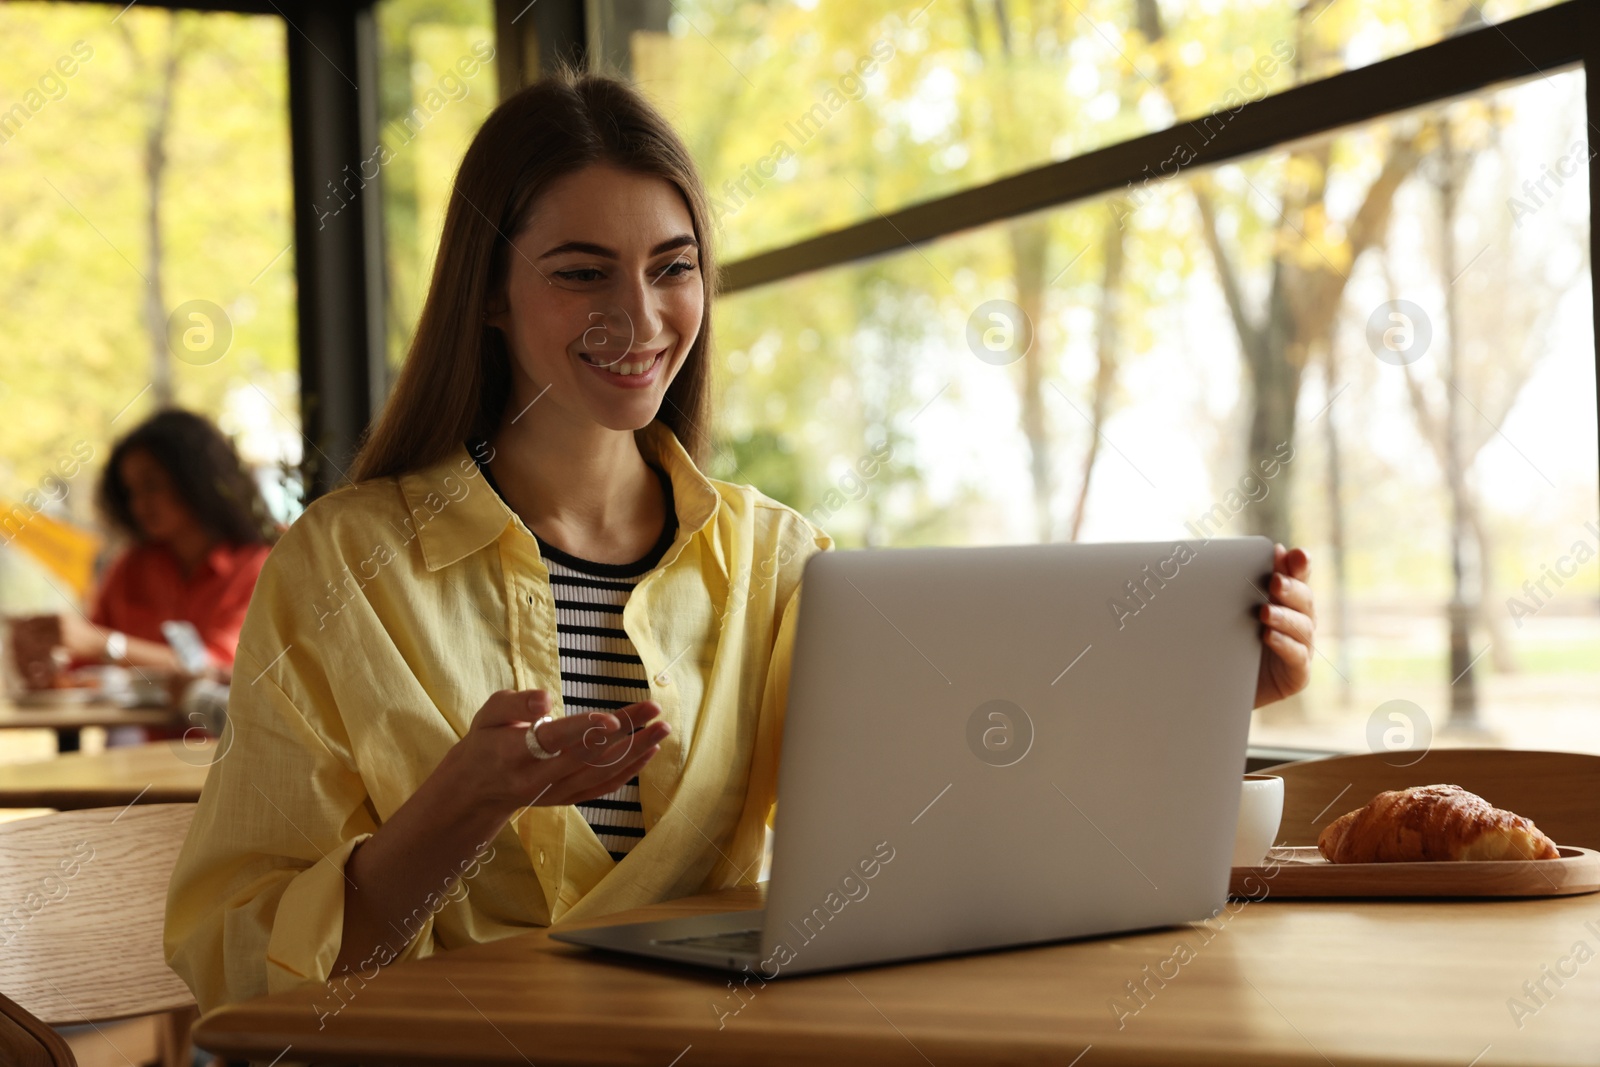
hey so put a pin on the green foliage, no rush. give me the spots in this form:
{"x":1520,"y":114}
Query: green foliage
{"x":420,"y":43}
{"x":816,"y":375}
{"x":74,"y":251}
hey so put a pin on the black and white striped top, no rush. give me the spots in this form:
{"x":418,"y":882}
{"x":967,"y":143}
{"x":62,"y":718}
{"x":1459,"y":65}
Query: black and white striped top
{"x":600,"y":669}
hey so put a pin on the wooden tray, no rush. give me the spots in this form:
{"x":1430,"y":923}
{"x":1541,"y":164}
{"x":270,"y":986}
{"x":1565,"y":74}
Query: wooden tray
{"x":1302,"y":872}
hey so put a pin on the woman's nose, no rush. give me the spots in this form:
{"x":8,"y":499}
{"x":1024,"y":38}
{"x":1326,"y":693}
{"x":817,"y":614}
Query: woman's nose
{"x":640,"y":301}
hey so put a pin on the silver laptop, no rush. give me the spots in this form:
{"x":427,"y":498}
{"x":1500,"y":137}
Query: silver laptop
{"x":997,"y":746}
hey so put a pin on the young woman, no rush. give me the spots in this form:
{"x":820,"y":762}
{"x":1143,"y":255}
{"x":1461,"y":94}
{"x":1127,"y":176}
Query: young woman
{"x":198,"y":533}
{"x":528,"y":534}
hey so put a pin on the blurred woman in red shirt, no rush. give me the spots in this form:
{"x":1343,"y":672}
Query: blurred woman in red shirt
{"x":199,"y":531}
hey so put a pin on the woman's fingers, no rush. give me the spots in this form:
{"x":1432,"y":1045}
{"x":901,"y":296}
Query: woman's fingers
{"x":522,"y":708}
{"x":641,"y":712}
{"x":595,"y":751}
{"x":603,"y":753}
{"x":635,"y":716}
{"x":1291,"y":593}
{"x":1292,"y":611}
{"x":1293,"y":562}
{"x":583,"y":734}
{"x":621,"y":778}
{"x":1292,"y":624}
{"x":597,"y":782}
{"x":1295,"y":654}
{"x":607,"y":740}
{"x":510,"y":707}
{"x":579,"y":774}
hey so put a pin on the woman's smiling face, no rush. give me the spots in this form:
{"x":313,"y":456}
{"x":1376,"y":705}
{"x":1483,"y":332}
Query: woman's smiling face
{"x":604,"y":297}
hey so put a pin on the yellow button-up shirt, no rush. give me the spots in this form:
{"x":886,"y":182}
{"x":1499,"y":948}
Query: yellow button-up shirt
{"x":383,"y":619}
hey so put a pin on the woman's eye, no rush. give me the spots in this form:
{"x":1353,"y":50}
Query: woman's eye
{"x":677,"y":269}
{"x":582,"y":274}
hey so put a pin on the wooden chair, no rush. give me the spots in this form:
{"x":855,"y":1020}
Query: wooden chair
{"x":82,"y":905}
{"x":27,"y":1042}
{"x":1560,"y":791}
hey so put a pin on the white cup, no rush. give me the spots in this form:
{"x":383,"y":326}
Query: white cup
{"x":1260,"y":812}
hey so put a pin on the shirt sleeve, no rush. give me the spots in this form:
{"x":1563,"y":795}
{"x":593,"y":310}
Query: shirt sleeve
{"x":774,"y":702}
{"x":256,"y":901}
{"x":109,"y":594}
{"x":809,"y":540}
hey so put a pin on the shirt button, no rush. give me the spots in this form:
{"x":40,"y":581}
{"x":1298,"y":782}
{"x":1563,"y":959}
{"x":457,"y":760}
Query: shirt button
{"x":541,"y":857}
{"x":663,"y":678}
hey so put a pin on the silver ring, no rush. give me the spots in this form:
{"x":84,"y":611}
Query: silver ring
{"x":534,"y":747}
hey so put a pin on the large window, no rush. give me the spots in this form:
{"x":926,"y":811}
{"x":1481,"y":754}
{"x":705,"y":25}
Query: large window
{"x":436,"y":68}
{"x":809,"y":114}
{"x":145,"y":258}
{"x":1398,"y":320}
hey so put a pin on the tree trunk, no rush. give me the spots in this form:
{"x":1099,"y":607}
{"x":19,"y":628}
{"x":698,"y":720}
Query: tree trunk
{"x":1106,"y":342}
{"x":1501,"y":653}
{"x":155,"y":165}
{"x":1275,"y":361}
{"x":1030,"y":244}
{"x":1463,"y":606}
{"x":1339,"y":610}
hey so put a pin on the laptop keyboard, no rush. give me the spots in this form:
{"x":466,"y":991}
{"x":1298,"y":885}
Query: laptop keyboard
{"x":746,"y":942}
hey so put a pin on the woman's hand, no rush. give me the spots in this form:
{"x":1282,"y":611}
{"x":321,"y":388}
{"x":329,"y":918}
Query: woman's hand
{"x":598,"y":751}
{"x":1288,"y":627}
{"x":83,"y":640}
{"x":481,"y":783}
{"x":45,"y":645}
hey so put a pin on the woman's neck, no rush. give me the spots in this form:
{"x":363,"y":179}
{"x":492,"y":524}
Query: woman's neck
{"x":191,"y":548}
{"x":583,"y":488}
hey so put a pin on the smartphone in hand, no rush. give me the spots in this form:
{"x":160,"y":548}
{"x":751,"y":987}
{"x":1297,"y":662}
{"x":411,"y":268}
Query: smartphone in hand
{"x":186,"y":644}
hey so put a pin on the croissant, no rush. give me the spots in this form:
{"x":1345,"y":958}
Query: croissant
{"x":1432,"y":822}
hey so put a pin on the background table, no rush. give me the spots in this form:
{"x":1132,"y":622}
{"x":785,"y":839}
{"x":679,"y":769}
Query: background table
{"x":77,"y":716}
{"x":162,"y":772}
{"x":1276,"y":982}
{"x":68,"y":720}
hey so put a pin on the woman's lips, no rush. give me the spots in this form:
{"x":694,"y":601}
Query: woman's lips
{"x":630,"y":372}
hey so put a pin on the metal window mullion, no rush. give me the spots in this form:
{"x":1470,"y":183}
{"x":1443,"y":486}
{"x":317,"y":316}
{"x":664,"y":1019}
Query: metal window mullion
{"x":338,"y":245}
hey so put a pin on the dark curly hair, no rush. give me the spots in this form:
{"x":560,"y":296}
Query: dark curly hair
{"x":206,"y":473}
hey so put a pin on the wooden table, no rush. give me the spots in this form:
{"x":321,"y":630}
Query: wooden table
{"x":1278,"y":982}
{"x":162,"y":772}
{"x":77,"y":716}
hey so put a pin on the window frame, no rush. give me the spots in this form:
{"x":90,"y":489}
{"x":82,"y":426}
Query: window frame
{"x":342,"y":363}
{"x":1553,"y":39}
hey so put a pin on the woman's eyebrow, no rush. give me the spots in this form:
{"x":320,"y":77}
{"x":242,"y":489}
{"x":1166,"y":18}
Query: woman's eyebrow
{"x":680,"y":241}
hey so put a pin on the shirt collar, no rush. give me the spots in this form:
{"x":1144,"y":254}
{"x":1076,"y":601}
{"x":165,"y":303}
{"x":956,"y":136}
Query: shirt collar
{"x":222,"y":559}
{"x":454,"y":512}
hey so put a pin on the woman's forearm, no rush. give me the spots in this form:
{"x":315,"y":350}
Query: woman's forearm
{"x":395,"y":879}
{"x":153,"y":654}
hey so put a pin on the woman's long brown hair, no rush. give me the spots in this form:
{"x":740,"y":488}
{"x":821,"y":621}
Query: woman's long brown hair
{"x":456,"y":381}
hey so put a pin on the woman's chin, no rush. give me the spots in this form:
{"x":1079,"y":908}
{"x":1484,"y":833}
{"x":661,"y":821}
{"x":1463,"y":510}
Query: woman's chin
{"x":630,"y":408}
{"x":627,"y":416}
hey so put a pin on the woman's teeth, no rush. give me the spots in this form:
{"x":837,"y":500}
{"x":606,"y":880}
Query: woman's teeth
{"x":623,"y":367}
